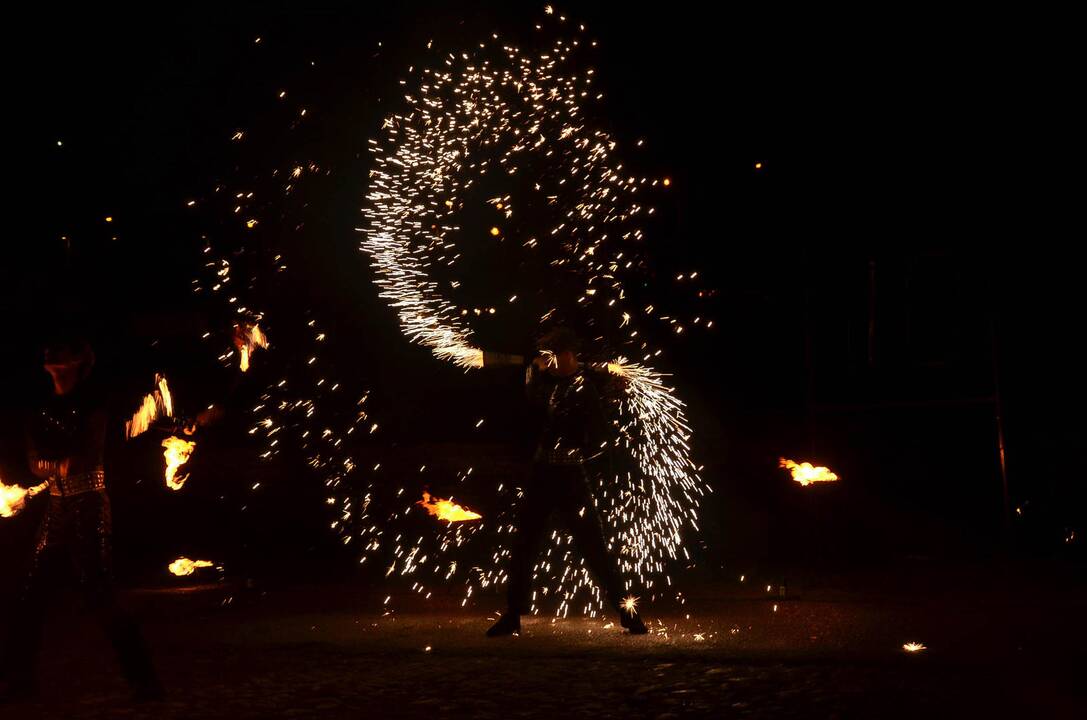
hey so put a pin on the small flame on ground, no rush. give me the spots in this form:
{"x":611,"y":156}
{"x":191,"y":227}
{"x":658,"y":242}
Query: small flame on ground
{"x":176,"y":452}
{"x":184,"y":566}
{"x":806,"y":474}
{"x":446,"y":509}
{"x":913,"y":647}
{"x":158,"y":403}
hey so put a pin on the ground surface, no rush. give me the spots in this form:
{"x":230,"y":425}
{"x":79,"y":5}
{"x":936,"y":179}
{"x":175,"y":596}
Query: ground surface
{"x":1000,"y":644}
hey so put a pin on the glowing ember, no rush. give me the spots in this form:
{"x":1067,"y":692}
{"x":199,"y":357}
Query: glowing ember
{"x":176,"y":452}
{"x":446,"y":509}
{"x":630,"y":604}
{"x":252,"y":338}
{"x":913,"y":647}
{"x":806,"y":473}
{"x":158,"y":403}
{"x":184,"y":566}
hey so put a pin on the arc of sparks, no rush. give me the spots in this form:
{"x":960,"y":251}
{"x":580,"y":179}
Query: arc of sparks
{"x":490,"y":112}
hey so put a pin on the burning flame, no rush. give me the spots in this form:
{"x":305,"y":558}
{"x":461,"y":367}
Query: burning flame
{"x":158,"y":403}
{"x":447,"y":509}
{"x":806,"y":474}
{"x":13,"y":498}
{"x":913,"y":647}
{"x":177,"y":452}
{"x":252,"y":338}
{"x":184,"y":566}
{"x":629,"y":604}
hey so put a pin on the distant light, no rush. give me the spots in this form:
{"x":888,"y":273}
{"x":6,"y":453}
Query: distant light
{"x":109,"y":218}
{"x":59,"y":143}
{"x":257,"y":41}
{"x":495,"y":231}
{"x":758,"y":166}
{"x":667,"y":182}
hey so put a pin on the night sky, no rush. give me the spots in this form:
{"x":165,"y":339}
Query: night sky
{"x":908,"y":180}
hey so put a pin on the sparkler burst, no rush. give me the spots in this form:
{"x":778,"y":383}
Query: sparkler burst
{"x":500,"y":116}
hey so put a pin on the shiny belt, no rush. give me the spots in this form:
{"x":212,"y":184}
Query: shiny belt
{"x":78,"y":484}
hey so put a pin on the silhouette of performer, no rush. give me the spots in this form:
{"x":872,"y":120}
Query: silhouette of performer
{"x":66,"y":438}
{"x":573,"y":440}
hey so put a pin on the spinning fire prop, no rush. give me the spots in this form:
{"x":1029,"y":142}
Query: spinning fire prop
{"x":184,"y":566}
{"x":13,"y":497}
{"x":447,"y":509}
{"x":156,"y":404}
{"x":251,"y":337}
{"x":806,"y":474}
{"x":176,"y":452}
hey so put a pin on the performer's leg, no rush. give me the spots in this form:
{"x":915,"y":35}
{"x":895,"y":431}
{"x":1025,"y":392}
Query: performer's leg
{"x":533,"y":510}
{"x":92,"y":554}
{"x":581,"y":517}
{"x":18,"y":665}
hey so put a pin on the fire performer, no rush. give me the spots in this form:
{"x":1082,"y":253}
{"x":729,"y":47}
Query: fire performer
{"x":571,"y":446}
{"x":66,"y":444}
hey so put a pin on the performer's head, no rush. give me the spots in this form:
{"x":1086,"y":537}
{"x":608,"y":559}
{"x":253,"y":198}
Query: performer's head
{"x":68,"y":358}
{"x":560,"y":347}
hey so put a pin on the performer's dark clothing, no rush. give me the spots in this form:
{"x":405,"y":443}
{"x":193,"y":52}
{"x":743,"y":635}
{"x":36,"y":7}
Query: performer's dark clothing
{"x":75,"y":529}
{"x":571,"y":445}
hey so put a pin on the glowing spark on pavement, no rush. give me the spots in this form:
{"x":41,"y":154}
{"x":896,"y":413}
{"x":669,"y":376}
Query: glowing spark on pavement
{"x":912,"y":647}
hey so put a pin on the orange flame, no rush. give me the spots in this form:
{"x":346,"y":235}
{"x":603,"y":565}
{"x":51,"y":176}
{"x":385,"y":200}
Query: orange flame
{"x":806,"y":474}
{"x":13,"y":497}
{"x":252,"y":338}
{"x":184,"y":566}
{"x":158,"y":403}
{"x":176,"y":452}
{"x":446,"y":509}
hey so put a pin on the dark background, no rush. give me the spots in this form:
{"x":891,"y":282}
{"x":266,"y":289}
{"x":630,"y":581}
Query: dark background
{"x":903,"y":254}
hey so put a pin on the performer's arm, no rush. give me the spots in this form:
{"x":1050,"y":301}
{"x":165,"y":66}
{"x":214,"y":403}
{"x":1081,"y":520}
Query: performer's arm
{"x":495,"y":359}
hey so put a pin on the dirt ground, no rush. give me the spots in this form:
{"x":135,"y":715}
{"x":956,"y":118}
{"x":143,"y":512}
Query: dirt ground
{"x":999,"y":643}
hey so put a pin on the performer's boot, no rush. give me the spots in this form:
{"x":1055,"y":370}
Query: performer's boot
{"x":508,"y":624}
{"x":632,"y":621}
